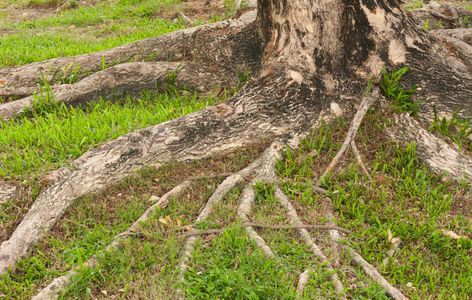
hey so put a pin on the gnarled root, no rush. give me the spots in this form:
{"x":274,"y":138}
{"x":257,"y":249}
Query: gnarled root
{"x":436,"y":153}
{"x":126,"y":78}
{"x":206,"y":44}
{"x":195,"y":136}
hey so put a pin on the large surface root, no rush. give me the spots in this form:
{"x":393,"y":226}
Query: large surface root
{"x":205,"y":44}
{"x":247,"y":118}
{"x":129,"y":78}
{"x":440,"y":156}
{"x":295,"y":220}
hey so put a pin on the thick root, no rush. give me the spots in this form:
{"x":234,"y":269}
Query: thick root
{"x":463,"y":50}
{"x":438,"y":155}
{"x":463,"y":34}
{"x":127,"y":78}
{"x":196,"y":136}
{"x":207,"y":44}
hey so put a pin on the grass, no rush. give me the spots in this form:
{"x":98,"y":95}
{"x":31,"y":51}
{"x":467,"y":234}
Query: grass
{"x":92,"y":221}
{"x":402,"y":98}
{"x":404,"y":198}
{"x":83,"y":30}
{"x":30,"y":146}
{"x":455,"y":129}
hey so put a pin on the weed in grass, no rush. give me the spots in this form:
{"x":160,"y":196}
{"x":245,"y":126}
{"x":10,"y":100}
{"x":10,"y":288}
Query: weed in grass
{"x":426,"y":26}
{"x":392,"y":90}
{"x":456,"y":129}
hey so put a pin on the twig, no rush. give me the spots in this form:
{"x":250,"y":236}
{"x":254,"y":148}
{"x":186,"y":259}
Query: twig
{"x":210,"y":176}
{"x":301,"y":226}
{"x":359,"y":159}
{"x":265,"y":226}
{"x":351,"y":134}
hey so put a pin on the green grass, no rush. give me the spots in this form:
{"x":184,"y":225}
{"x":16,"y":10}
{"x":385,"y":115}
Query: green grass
{"x":456,"y":129}
{"x":404,"y":198}
{"x":83,"y":30}
{"x":402,"y":98}
{"x":414,"y":4}
{"x":29,"y":146}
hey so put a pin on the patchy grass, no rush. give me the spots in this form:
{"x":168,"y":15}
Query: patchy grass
{"x":93,"y":220}
{"x":86,"y":29}
{"x":30,"y":146}
{"x":455,"y":129}
{"x":404,"y":198}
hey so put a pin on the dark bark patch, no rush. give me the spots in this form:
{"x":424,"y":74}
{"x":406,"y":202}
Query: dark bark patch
{"x":355,"y":38}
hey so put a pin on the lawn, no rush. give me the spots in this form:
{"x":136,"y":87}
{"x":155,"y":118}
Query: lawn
{"x":399,"y":215}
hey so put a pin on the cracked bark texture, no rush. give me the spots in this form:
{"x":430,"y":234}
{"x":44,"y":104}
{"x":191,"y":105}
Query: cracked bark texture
{"x":305,"y":56}
{"x":228,"y":46}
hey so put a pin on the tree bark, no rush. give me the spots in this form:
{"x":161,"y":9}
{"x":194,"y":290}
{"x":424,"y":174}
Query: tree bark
{"x":306,"y":56}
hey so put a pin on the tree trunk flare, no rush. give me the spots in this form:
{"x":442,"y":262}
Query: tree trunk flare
{"x":315,"y":54}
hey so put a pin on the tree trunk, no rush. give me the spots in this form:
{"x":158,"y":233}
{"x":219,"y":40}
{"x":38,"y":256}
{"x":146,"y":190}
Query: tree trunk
{"x":317,"y":55}
{"x":333,"y":47}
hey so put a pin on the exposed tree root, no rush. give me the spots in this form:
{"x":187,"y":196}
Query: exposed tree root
{"x":7,"y":191}
{"x":463,"y":34}
{"x":440,"y":156}
{"x":296,"y":221}
{"x":207,"y":43}
{"x":441,"y":15}
{"x":370,"y":270}
{"x":463,"y":50}
{"x":366,"y":103}
{"x":218,"y":195}
{"x":247,"y":200}
{"x":129,"y":78}
{"x":53,"y":290}
{"x":359,"y":159}
{"x":202,"y":134}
